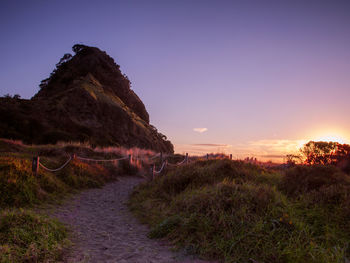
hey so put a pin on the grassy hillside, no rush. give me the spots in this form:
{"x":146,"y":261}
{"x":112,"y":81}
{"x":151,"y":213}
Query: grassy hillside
{"x":26,"y":236}
{"x":240,"y":212}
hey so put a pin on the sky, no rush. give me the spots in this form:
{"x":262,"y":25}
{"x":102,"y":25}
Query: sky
{"x":251,"y":78}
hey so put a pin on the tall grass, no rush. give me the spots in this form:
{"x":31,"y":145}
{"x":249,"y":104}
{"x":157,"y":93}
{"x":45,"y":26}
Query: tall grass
{"x":21,"y":188}
{"x":26,"y":236}
{"x":240,"y":212}
{"x":29,"y":237}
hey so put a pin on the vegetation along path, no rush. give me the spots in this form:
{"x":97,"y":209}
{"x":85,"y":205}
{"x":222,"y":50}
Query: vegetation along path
{"x":104,"y":229}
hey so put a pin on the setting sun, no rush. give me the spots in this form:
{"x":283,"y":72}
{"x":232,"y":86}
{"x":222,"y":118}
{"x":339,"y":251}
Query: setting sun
{"x":331,"y":138}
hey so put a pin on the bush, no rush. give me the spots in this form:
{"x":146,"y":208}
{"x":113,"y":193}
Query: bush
{"x":303,"y":179}
{"x":235,"y":212}
{"x":209,"y":172}
{"x":20,"y":187}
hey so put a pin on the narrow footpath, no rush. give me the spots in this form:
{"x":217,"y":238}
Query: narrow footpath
{"x":104,"y":230}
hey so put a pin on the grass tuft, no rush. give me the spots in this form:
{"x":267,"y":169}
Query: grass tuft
{"x":28,"y":237}
{"x":240,"y":212}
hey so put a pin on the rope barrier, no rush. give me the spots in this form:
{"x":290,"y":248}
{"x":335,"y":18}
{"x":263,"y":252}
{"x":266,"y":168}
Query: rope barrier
{"x":177,"y":164}
{"x":108,"y":160}
{"x":161,"y":169}
{"x":102,"y":160}
{"x":55,"y":170}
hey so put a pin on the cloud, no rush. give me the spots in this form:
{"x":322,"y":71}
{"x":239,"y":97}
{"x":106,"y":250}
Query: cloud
{"x":203,"y":148}
{"x":272,"y":156}
{"x":211,"y":145}
{"x":276,"y":146}
{"x":200,"y":130}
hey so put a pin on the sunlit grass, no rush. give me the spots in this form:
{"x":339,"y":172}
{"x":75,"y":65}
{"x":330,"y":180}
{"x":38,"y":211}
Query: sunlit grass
{"x":240,"y":212}
{"x":26,"y":236}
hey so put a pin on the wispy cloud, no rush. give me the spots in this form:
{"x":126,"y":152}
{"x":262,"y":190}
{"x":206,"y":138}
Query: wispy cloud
{"x":280,"y":156}
{"x":264,"y":150}
{"x":211,"y":145}
{"x":203,"y":148}
{"x":276,"y":146}
{"x":200,"y":130}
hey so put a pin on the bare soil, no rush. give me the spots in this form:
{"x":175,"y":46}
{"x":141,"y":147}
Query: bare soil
{"x":104,"y":230}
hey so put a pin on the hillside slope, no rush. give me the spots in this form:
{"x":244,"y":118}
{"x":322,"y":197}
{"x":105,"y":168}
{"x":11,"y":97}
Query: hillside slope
{"x":86,"y":98}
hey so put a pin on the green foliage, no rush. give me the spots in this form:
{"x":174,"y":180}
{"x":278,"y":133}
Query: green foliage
{"x":304,"y":179}
{"x":28,"y":237}
{"x":21,"y":188}
{"x":240,"y":212}
{"x":165,"y":227}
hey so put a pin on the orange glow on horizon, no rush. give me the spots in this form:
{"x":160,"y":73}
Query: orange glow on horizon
{"x":334,"y":135}
{"x":264,"y":150}
{"x":332,"y":138}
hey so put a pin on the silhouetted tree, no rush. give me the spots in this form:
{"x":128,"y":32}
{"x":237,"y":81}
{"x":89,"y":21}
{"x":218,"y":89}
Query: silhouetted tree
{"x":342,"y":157}
{"x":44,"y":83}
{"x":77,"y":48}
{"x":292,"y":159}
{"x":162,"y":136}
{"x":319,"y":152}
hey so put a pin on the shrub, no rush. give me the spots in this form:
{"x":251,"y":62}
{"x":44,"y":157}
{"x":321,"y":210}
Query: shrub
{"x":203,"y":173}
{"x":303,"y":179}
{"x":235,"y":212}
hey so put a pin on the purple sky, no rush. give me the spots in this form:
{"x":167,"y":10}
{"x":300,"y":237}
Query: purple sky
{"x":260,"y":76}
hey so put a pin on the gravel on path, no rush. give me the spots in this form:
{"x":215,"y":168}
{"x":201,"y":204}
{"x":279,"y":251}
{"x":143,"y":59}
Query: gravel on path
{"x":104,"y":230}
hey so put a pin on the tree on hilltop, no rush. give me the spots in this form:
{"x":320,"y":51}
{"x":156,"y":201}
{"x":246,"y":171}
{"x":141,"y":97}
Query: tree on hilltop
{"x":78,"y":47}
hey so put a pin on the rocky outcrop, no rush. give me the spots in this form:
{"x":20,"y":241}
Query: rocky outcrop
{"x":86,"y":98}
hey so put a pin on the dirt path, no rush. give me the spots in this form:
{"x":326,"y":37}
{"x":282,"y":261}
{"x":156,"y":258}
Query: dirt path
{"x":104,"y":229}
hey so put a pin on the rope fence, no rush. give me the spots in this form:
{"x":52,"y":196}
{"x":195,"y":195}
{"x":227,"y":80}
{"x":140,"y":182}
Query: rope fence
{"x":164,"y":162}
{"x":179,"y":163}
{"x":57,"y":169}
{"x":37,"y":163}
{"x":103,"y":160}
{"x":161,"y":169}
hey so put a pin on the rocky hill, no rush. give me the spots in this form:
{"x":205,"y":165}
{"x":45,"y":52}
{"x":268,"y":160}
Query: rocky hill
{"x":86,"y":98}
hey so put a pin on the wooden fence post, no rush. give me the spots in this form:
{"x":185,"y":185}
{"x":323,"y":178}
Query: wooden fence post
{"x":207,"y":156}
{"x":231,"y":156}
{"x":35,"y":165}
{"x":129,"y":158}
